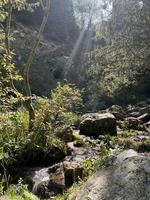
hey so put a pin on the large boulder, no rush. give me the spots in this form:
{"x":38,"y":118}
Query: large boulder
{"x":127,"y":179}
{"x":96,"y":124}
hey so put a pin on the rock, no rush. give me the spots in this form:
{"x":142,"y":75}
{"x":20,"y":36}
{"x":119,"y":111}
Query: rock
{"x":147,"y":124}
{"x":73,"y":172}
{"x":144,"y":118}
{"x":127,"y":179}
{"x":133,"y":123}
{"x":139,"y":142}
{"x":125,"y":154}
{"x":118,"y":115}
{"x":144,"y":110}
{"x":65,"y":133}
{"x":34,"y":155}
{"x":37,"y":180}
{"x":46,"y":182}
{"x":71,"y":169}
{"x":142,"y":104}
{"x":57,"y":177}
{"x":64,"y":174}
{"x":135,"y":114}
{"x":98,"y":124}
{"x":117,"y":111}
{"x":22,"y":35}
{"x":55,"y":154}
{"x":115,"y":108}
{"x":42,"y":190}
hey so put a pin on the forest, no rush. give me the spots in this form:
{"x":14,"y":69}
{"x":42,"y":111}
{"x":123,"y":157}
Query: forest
{"x":74,"y":100}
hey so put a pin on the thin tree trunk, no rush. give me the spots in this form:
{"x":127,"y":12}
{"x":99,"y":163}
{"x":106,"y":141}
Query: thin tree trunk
{"x":7,"y":37}
{"x":29,"y":104}
{"x":7,"y":28}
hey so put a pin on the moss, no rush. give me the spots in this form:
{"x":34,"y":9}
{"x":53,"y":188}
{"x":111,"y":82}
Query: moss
{"x":76,"y":135}
{"x":78,"y":140}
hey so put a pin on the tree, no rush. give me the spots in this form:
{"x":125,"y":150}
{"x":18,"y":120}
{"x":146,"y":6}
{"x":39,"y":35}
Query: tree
{"x":121,"y":60}
{"x":46,"y":8}
{"x":8,"y":71}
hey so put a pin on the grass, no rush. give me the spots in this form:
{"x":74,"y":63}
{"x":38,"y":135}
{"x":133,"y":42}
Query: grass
{"x":130,"y":132}
{"x":13,"y":126}
{"x":12,"y":194}
{"x":17,"y":192}
{"x":71,"y":193}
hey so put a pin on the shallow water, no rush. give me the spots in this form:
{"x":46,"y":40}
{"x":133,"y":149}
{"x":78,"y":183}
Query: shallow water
{"x":41,"y":175}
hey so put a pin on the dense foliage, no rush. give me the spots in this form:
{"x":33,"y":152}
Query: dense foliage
{"x":120,"y":63}
{"x":109,"y":61}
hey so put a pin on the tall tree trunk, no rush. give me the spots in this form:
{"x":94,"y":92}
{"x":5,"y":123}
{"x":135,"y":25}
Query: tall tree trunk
{"x":7,"y":38}
{"x":29,"y":103}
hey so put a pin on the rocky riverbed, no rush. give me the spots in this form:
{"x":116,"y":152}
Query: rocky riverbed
{"x":53,"y":180}
{"x":114,"y":128}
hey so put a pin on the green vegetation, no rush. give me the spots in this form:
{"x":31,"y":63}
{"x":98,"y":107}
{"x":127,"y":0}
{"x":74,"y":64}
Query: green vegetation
{"x":59,"y":109}
{"x":18,"y":146}
{"x":120,"y":59}
{"x":71,"y":193}
{"x":144,"y":145}
{"x":90,"y":166}
{"x":19,"y":192}
{"x":87,"y":55}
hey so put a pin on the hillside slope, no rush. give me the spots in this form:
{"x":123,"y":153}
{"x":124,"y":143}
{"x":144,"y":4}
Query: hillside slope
{"x":52,"y":56}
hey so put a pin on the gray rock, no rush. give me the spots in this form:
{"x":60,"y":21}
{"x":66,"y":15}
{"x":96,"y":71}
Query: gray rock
{"x":144,"y":110}
{"x":96,"y":124}
{"x":133,"y":123}
{"x":127,"y":179}
{"x":144,"y":118}
{"x":135,"y":114}
{"x":117,"y":111}
{"x":147,"y":124}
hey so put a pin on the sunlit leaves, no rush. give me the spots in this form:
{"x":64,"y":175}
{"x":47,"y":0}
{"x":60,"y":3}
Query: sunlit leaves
{"x":8,"y":73}
{"x":121,"y":56}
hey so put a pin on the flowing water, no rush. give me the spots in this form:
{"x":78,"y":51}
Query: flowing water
{"x":41,"y":175}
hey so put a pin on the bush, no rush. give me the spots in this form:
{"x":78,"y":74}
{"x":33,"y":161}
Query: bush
{"x":13,"y":127}
{"x":20,"y":148}
{"x":13,"y":135}
{"x":61,"y":109}
{"x":67,"y":97}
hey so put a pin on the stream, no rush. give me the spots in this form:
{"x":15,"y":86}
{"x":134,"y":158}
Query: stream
{"x":49,"y":181}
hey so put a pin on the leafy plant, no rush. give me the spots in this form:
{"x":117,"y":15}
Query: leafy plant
{"x":57,"y":111}
{"x":19,"y":192}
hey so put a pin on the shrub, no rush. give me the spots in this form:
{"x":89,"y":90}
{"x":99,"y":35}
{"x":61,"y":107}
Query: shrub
{"x":66,"y":97}
{"x":13,"y":127}
{"x":13,"y":134}
{"x":61,"y":109}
